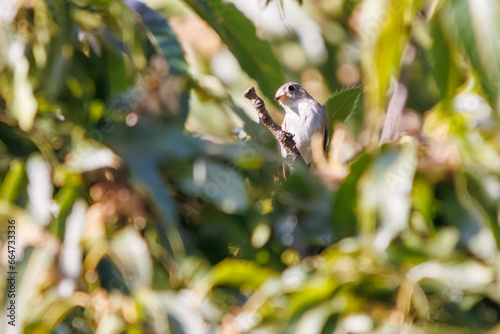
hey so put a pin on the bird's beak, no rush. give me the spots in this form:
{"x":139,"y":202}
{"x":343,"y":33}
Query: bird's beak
{"x":279,"y":97}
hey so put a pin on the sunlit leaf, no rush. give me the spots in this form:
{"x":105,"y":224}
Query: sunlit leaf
{"x":131,"y":254}
{"x":344,"y":204}
{"x":11,"y":184}
{"x":310,"y":294}
{"x":386,"y":27}
{"x":218,"y":184}
{"x":24,"y":105}
{"x":461,"y":212}
{"x":236,"y":273}
{"x":65,"y":198}
{"x":341,"y":105}
{"x":129,"y":220}
{"x":40,"y":189}
{"x":477,"y":25}
{"x":254,"y":55}
{"x":70,"y":262}
{"x":385,"y":194}
{"x":444,"y":55}
{"x":164,"y":38}
{"x":479,"y":187}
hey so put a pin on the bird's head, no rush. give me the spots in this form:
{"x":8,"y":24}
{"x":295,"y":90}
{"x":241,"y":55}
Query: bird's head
{"x":290,"y":93}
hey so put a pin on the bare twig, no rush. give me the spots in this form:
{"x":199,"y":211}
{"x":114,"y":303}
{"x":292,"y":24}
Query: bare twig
{"x":284,"y":138}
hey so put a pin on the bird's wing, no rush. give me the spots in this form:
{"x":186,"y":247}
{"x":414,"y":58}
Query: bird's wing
{"x":326,"y":120}
{"x":283,"y":153}
{"x":284,"y":128}
{"x":283,"y":124}
{"x":326,"y":140}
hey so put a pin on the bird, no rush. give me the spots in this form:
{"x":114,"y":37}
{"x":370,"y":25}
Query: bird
{"x":304,"y":116}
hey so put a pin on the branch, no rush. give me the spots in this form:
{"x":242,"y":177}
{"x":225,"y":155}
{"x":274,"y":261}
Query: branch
{"x":284,"y":138}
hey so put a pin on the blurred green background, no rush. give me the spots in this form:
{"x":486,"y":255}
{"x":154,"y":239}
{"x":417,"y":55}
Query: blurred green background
{"x":145,"y":192}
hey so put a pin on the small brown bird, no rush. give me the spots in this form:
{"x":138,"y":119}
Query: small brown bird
{"x":304,"y":116}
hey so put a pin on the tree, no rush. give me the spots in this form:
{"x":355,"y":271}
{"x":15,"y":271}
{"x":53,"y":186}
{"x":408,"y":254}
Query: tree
{"x":137,"y":208}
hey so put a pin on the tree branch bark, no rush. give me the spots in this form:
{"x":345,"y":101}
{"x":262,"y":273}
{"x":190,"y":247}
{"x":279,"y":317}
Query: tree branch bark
{"x":284,"y":138}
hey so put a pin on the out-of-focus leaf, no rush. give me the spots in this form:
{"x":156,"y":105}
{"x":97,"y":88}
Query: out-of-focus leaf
{"x":479,"y":187}
{"x":218,"y":184}
{"x":236,"y":273}
{"x":87,"y":156}
{"x":420,"y":302}
{"x":110,"y":323}
{"x":10,"y":186}
{"x":477,"y":25}
{"x":70,"y":262}
{"x":182,"y":319}
{"x":459,"y":211}
{"x":439,"y":243}
{"x":386,"y":27}
{"x":444,"y":55}
{"x":147,"y":301}
{"x":146,"y":175}
{"x":341,"y":105}
{"x":250,"y":126}
{"x":467,"y":275}
{"x":160,"y":144}
{"x":39,"y":189}
{"x":117,"y":73}
{"x":47,"y":315}
{"x":162,"y":36}
{"x":239,"y":272}
{"x":313,"y":320}
{"x":385,"y":193}
{"x":24,"y":105}
{"x":130,"y":252}
{"x":310,"y":294}
{"x":65,"y":198}
{"x":330,"y":324}
{"x":254,"y":55}
{"x":144,"y":149}
{"x":40,"y":264}
{"x":110,"y":277}
{"x":405,"y":255}
{"x":18,"y":144}
{"x":344,"y":202}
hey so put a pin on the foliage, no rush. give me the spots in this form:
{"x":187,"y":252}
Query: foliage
{"x":138,"y":208}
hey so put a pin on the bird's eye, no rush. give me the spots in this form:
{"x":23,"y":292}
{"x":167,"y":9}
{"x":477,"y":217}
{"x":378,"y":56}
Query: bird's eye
{"x":291,"y":88}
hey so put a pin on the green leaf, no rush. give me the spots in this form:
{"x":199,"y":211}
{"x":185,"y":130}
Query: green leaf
{"x":144,"y":148}
{"x":385,"y":191}
{"x":477,"y":25}
{"x":341,"y":105}
{"x":311,"y":293}
{"x":420,"y":302}
{"x":219,"y":184}
{"x":460,"y":212}
{"x":161,"y":36}
{"x":24,"y":105}
{"x":344,"y":202}
{"x":186,"y":319}
{"x":65,"y":198}
{"x":254,"y":55}
{"x":444,"y":55}
{"x":116,"y":71}
{"x":148,"y":178}
{"x":130,"y":253}
{"x":478,"y":185}
{"x":236,"y":273}
{"x":391,"y":24}
{"x":10,"y":186}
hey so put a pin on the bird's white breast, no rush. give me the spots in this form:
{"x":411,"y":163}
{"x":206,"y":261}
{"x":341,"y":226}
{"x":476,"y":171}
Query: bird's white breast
{"x":303,"y":119}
